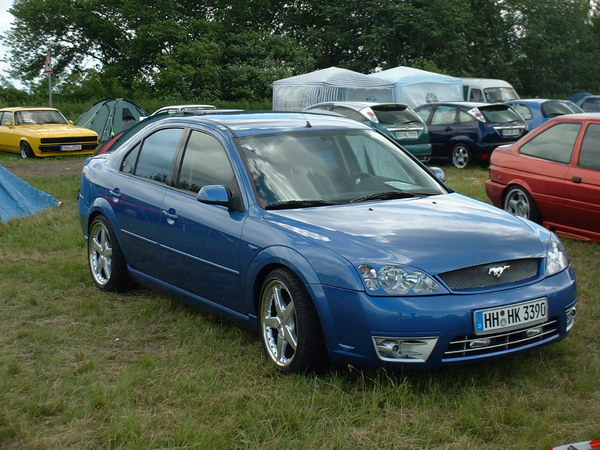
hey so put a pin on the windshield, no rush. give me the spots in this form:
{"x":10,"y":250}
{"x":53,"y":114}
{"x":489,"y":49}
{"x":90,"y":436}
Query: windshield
{"x":329,"y":167}
{"x":39,"y":117}
{"x":500,"y":94}
{"x":500,"y":114}
{"x":395,"y":115}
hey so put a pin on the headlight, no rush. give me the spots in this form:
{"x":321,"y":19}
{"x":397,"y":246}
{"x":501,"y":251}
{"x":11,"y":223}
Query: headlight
{"x":556,"y":257}
{"x":398,"y":281}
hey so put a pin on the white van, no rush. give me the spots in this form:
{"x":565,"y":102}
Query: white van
{"x":488,"y":90}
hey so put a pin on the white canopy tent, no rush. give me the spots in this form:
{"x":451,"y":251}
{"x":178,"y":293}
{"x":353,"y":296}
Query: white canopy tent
{"x":331,"y":84}
{"x":416,"y":87}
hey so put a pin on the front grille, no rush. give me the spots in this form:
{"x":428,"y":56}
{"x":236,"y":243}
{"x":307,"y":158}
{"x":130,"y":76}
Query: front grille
{"x":471,"y":345}
{"x":70,"y":140}
{"x":490,"y":275}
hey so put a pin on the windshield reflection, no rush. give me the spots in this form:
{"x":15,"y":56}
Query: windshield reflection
{"x":305,"y":169}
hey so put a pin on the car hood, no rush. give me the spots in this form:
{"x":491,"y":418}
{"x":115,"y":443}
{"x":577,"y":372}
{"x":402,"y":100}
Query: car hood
{"x":59,"y":130}
{"x":436,"y":234}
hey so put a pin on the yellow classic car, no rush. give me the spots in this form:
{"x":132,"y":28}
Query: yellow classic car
{"x":43,"y":132}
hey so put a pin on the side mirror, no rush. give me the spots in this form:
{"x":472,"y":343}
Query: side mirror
{"x":215,"y":195}
{"x":8,"y":123}
{"x":71,"y":122}
{"x":439,"y":173}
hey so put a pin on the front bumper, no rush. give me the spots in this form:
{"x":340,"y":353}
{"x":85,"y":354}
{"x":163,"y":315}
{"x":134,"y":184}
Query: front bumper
{"x":356,"y":325}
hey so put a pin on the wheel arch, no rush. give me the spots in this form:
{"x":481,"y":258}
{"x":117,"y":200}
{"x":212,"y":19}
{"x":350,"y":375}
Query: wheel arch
{"x":276,"y":257}
{"x":537,"y":215}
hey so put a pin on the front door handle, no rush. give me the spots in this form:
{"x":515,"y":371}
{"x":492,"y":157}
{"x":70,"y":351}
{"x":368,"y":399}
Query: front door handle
{"x":448,"y":129}
{"x":576,"y":180}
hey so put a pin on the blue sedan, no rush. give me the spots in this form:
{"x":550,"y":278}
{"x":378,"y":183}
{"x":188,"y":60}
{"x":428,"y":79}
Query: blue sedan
{"x":536,"y":111}
{"x":325,"y":236}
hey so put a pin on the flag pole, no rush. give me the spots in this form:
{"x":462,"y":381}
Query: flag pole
{"x":48,"y":71}
{"x":49,"y":90}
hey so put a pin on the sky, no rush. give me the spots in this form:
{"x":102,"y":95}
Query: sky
{"x":5,"y":20}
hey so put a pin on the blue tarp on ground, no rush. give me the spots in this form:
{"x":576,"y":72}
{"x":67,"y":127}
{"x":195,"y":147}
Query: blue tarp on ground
{"x":20,"y":199}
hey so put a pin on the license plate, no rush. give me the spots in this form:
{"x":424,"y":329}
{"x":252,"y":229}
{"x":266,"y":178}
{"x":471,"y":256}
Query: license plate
{"x":70,"y":148}
{"x":512,"y":132}
{"x":407,"y":134}
{"x":511,"y":317}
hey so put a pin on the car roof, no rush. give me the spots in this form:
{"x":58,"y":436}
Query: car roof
{"x":466,"y":105}
{"x":260,"y":123}
{"x":28,"y":108}
{"x":185,"y":107}
{"x":579,"y":116}
{"x":537,"y":100}
{"x":358,"y":105}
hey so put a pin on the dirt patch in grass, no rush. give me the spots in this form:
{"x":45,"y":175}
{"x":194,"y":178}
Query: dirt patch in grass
{"x":44,"y":168}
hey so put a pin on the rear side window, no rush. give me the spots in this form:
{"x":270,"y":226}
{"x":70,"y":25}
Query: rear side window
{"x":443,"y":115}
{"x":500,"y":114}
{"x":554,"y":144}
{"x":156,"y":156}
{"x":464,"y":117}
{"x":589,"y":156}
{"x":424,"y":113}
{"x":523,"y":111}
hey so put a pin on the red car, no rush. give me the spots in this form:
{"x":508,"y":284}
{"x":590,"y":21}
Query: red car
{"x":552,"y":176}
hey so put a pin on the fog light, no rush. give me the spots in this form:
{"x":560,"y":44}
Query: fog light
{"x":479,"y":343}
{"x":571,"y":313}
{"x":532,"y":332}
{"x":404,"y":349}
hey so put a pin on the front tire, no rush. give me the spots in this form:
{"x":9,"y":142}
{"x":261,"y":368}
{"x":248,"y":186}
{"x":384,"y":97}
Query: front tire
{"x":461,"y":156}
{"x":105,"y":259}
{"x":289,"y":326}
{"x":26,"y":150}
{"x":520,"y":203}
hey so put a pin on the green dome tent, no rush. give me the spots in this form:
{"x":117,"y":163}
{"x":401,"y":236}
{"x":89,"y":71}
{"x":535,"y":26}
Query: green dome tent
{"x":110,"y":116}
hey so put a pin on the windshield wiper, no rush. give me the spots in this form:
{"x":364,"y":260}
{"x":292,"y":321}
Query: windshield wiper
{"x":383,"y":196}
{"x":389,"y":195}
{"x":290,"y":204}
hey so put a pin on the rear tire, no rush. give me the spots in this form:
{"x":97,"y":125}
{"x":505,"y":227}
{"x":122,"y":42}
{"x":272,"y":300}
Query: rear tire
{"x":290,"y":329}
{"x":519,"y":202}
{"x":105,"y":259}
{"x":26,"y":150}
{"x":461,"y":156}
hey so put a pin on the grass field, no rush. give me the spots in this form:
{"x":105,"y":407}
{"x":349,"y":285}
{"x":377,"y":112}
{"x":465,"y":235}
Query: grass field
{"x":81,"y":368}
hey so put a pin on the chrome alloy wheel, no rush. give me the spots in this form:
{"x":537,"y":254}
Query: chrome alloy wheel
{"x":279,"y":324}
{"x":517,"y":203}
{"x":460,"y":156}
{"x":100,"y":253}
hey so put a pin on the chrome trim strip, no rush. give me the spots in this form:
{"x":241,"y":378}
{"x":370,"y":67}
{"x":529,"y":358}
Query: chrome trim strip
{"x":552,"y":322}
{"x":179,"y":252}
{"x":201,"y":261}
{"x":505,"y":344}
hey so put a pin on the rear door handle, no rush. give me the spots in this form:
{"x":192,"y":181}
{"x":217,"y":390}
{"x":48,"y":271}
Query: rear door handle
{"x":170,"y":215}
{"x":576,"y":179}
{"x":448,"y":129}
{"x":115,"y":194}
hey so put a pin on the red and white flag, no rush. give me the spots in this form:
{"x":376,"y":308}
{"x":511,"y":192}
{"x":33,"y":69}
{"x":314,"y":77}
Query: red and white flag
{"x":48,"y":64}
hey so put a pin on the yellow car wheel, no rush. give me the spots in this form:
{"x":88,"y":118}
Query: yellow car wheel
{"x":26,"y":150}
